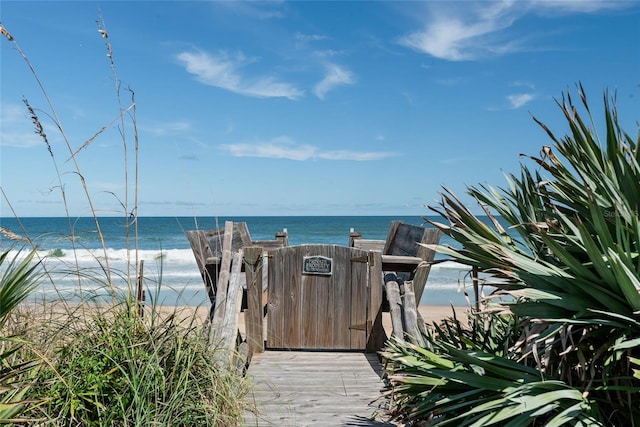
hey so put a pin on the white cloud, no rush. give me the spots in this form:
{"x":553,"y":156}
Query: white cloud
{"x":462,"y":31}
{"x":579,"y":6}
{"x":336,"y":76}
{"x":466,"y":32}
{"x":285,"y":148}
{"x":353,"y":155}
{"x":223,"y":71}
{"x":518,"y":100}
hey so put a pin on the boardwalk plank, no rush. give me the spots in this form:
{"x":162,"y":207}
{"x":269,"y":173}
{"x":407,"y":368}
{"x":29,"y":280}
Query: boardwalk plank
{"x":316,"y":388}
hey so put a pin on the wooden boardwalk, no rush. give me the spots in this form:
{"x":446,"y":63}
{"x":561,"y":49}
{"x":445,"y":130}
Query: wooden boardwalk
{"x":294,"y":388}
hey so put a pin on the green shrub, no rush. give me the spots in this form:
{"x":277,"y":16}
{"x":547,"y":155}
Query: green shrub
{"x":569,"y":273}
{"x":120,"y":369}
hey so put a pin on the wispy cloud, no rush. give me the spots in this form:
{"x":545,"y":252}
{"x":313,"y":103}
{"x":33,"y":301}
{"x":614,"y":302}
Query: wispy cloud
{"x":518,"y":100}
{"x":579,"y":6}
{"x":302,"y":40}
{"x":523,"y":83}
{"x":20,"y":139}
{"x":334,"y":77}
{"x":261,"y":10}
{"x":285,"y":148}
{"x":223,"y":71}
{"x":167,"y":128}
{"x":462,"y":31}
{"x":466,"y":32}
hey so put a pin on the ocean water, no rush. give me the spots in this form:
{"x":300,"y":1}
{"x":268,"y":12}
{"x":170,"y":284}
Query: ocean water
{"x":171,"y":275}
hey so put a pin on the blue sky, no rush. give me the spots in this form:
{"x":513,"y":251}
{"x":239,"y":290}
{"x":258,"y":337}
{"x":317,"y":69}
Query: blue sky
{"x":295,"y":108}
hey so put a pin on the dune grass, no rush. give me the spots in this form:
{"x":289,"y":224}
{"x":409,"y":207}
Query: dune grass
{"x":107,"y":365}
{"x":97,"y":362}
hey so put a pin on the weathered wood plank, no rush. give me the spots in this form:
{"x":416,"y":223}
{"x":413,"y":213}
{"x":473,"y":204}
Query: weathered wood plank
{"x":431,"y":237}
{"x":201,"y":252}
{"x":253,"y":259}
{"x":276,"y":321}
{"x":341,"y":282}
{"x":359,"y":301}
{"x":376,"y":334}
{"x":420,"y":279}
{"x":222,"y":283}
{"x":292,"y":297}
{"x":369,"y":244}
{"x":231,"y":317}
{"x":425,"y":251}
{"x":316,"y":389}
{"x":393,"y":230}
{"x":308,"y":317}
{"x":268,"y":244}
{"x":403,"y":239}
{"x":325,"y":310}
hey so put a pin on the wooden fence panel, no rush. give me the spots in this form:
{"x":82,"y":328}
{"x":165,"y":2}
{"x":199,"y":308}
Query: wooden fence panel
{"x":318,"y":309}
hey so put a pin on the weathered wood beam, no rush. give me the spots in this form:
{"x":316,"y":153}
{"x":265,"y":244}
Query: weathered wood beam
{"x":400,"y":263}
{"x":420,"y":279}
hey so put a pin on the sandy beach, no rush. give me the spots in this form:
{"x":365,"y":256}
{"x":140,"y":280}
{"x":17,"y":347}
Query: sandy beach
{"x":430,"y":314}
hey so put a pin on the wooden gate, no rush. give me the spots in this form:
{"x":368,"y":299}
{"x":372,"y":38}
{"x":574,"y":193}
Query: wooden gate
{"x":319,"y":298}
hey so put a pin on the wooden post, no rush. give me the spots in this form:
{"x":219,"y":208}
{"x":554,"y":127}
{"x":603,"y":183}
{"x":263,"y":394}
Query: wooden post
{"x":283,"y":236}
{"x":253,"y":260}
{"x":411,"y":314}
{"x":353,"y":235}
{"x":376,"y":334}
{"x":395,"y":308}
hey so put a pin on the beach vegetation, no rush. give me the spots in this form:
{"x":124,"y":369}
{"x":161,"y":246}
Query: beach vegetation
{"x":19,"y":276}
{"x":91,"y":360}
{"x":558,"y":341}
{"x":110,"y":365}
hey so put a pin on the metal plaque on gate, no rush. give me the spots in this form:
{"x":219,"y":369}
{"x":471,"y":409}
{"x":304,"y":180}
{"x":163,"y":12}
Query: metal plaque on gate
{"x":320,"y":265}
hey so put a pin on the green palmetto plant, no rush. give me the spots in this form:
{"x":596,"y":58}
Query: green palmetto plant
{"x":18,"y":278}
{"x":567,"y":268}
